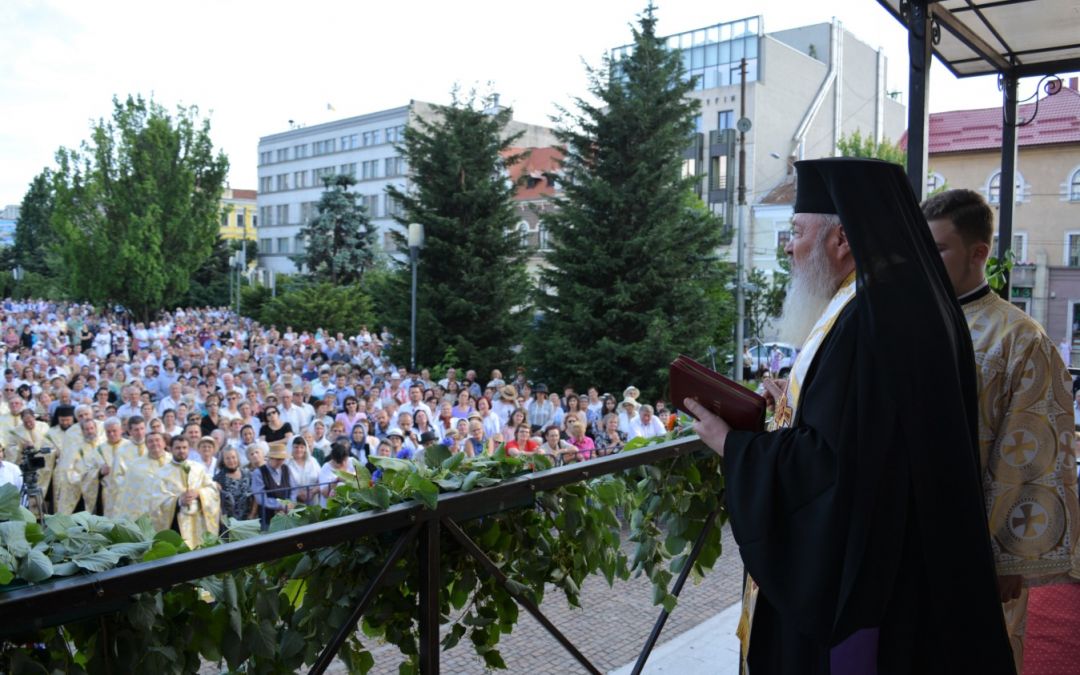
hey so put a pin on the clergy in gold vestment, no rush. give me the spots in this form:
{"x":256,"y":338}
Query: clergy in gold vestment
{"x":10,"y":420}
{"x":56,"y":439}
{"x":108,"y":462}
{"x":77,"y":472}
{"x":141,"y":492}
{"x":32,"y":434}
{"x":189,"y":495}
{"x":1025,"y":418}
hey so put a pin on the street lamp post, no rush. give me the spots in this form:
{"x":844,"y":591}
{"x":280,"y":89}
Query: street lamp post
{"x":416,"y":242}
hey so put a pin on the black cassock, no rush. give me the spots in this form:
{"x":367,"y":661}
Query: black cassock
{"x":868,"y":511}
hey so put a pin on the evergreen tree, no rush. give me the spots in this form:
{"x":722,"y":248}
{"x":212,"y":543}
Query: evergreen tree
{"x":633,"y":278}
{"x":339,"y":241}
{"x":33,"y":233}
{"x":137,"y":209}
{"x":472,"y":282}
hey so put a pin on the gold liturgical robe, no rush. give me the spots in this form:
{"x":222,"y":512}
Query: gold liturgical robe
{"x":8,"y":422}
{"x":106,"y":454}
{"x":1025,"y":443}
{"x":19,"y":437}
{"x":201,"y":516}
{"x":71,"y":468}
{"x":141,"y":492}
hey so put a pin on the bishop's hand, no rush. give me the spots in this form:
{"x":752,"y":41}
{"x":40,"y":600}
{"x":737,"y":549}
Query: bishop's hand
{"x":713,"y":430}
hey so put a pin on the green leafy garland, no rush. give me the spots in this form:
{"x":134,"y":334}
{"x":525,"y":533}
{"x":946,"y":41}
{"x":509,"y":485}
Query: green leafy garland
{"x":275,"y":617}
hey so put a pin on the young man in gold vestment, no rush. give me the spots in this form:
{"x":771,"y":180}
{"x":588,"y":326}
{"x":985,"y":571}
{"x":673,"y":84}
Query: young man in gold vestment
{"x":189,"y":496}
{"x":1025,"y":417}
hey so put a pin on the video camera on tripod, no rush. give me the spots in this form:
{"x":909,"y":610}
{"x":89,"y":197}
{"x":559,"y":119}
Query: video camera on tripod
{"x":32,"y":460}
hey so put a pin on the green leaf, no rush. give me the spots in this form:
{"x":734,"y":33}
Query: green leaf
{"x":9,"y":502}
{"x":424,"y":490}
{"x":470,"y":481}
{"x":453,"y":637}
{"x":171,"y":537}
{"x":35,"y":567}
{"x":134,"y":550}
{"x":453,"y":462}
{"x":125,"y":531}
{"x":239,"y":530}
{"x":674,"y":544}
{"x":6,"y":575}
{"x":450,"y":483}
{"x":436,"y":454}
{"x":292,"y":643}
{"x":98,"y":561}
{"x":492,"y":659}
{"x":13,"y":535}
{"x":158,"y":550}
{"x":261,"y":639}
{"x":59,"y":524}
{"x":393,"y":464}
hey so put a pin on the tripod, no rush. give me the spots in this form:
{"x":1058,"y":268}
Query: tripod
{"x":30,"y":495}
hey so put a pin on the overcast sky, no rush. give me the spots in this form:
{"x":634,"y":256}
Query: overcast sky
{"x":252,"y":66}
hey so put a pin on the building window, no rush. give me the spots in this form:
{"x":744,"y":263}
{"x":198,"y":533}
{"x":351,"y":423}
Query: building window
{"x":300,"y":179}
{"x":283,"y":155}
{"x":298,"y":245}
{"x":993,"y":188}
{"x":281,"y":215}
{"x":282,"y":181}
{"x":371,"y":137}
{"x":241,"y":217}
{"x":934,"y":181}
{"x":718,"y":173}
{"x":350,"y":142}
{"x":782,"y":239}
{"x":300,"y":151}
{"x":370,"y":169}
{"x":1072,"y":249}
{"x":254,"y":220}
{"x":282,"y":244}
{"x":319,"y":176}
{"x":322,"y":147}
{"x":264,"y":215}
{"x":389,"y":243}
{"x":395,"y":134}
{"x":348,"y":169}
{"x":393,"y":207}
{"x":225,"y":218}
{"x":266,"y":184}
{"x":1019,"y":246}
{"x":395,"y":166}
{"x":264,"y":245}
{"x":266,"y":157}
{"x":1074,"y":186}
{"x":725,"y":119}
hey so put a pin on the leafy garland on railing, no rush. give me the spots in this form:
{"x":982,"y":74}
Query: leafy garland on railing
{"x":275,"y":617}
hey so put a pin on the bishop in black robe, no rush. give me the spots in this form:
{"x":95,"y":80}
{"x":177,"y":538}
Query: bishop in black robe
{"x":863,"y":522}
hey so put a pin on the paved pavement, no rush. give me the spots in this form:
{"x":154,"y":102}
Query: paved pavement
{"x":611,"y":628}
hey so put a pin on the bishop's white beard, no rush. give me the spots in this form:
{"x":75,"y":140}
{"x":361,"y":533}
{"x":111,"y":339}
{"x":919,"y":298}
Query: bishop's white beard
{"x":811,"y":288}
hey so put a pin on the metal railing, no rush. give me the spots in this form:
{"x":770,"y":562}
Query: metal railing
{"x":84,"y":596}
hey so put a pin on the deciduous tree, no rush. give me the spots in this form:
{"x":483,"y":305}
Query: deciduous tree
{"x":136,"y":209}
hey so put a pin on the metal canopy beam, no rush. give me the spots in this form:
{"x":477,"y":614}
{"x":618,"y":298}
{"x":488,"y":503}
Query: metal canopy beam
{"x":918,"y":90}
{"x":968,"y":37}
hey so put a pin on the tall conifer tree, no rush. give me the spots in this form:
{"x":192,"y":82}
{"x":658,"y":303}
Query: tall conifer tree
{"x":633,"y":278}
{"x":472,"y":284}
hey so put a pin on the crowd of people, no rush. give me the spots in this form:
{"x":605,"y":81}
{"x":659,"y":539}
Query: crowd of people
{"x":203,"y":415}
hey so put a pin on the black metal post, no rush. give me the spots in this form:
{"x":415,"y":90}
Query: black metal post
{"x":414,"y":255}
{"x":348,"y":627}
{"x":646,"y":651}
{"x":429,"y":598}
{"x":919,"y":53}
{"x":1007,"y":178}
{"x":526,"y":602}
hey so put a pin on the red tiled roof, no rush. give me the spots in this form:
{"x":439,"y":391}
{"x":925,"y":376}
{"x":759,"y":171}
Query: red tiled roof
{"x":784,"y":193}
{"x":1057,"y":121}
{"x":539,"y":162}
{"x":244,"y":194}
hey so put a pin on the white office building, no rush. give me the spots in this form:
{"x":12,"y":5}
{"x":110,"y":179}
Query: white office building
{"x":293,"y":163}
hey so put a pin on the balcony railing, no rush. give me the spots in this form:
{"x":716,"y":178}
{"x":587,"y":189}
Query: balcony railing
{"x":82,"y":597}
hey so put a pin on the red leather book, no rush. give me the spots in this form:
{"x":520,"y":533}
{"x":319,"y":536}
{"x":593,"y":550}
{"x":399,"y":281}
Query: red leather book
{"x":743,"y":409}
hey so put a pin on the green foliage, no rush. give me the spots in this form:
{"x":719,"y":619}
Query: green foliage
{"x":210,"y":284}
{"x":765,"y":295}
{"x":997,"y":270}
{"x":321,"y":305}
{"x":472,"y":285}
{"x":855,"y":145}
{"x":136,"y":210}
{"x":633,"y":265}
{"x":253,"y":298}
{"x":275,"y":617}
{"x":340,"y":240}
{"x":33,"y":231}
